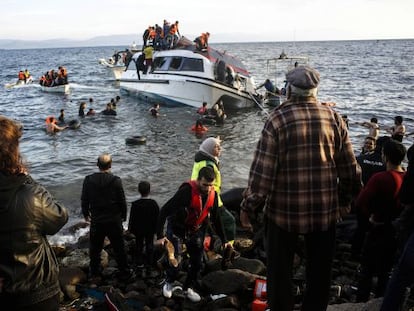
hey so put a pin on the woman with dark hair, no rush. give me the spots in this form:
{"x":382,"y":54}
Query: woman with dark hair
{"x":28,"y":266}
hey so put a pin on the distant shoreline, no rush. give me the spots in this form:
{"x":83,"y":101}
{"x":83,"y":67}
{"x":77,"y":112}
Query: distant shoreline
{"x":127,"y":40}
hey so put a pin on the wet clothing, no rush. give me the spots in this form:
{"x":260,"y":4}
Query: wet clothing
{"x":28,"y":265}
{"x":109,"y":112}
{"x":103,"y":200}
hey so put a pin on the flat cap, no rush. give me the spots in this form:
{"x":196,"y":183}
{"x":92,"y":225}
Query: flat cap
{"x":303,"y":77}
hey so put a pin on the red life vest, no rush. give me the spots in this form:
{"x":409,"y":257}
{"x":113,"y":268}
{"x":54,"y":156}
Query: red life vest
{"x":197,"y":213}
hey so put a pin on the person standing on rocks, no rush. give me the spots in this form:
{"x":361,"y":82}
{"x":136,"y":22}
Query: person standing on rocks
{"x":208,"y":155}
{"x":189,"y":212}
{"x":304,"y":169}
{"x":142,"y":223}
{"x":380,"y":203}
{"x":28,"y":266}
{"x":104,"y":206}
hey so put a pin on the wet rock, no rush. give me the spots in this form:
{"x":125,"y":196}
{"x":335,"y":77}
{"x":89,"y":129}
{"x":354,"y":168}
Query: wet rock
{"x":228,"y":282}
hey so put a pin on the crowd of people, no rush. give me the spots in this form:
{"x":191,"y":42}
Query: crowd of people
{"x":54,"y":125}
{"x":304,"y":175}
{"x":166,"y":37}
{"x":24,"y":76}
{"x":54,"y":78}
{"x":162,"y":37}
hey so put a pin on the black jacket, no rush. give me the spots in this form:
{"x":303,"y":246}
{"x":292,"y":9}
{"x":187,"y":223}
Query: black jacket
{"x":143,"y":217}
{"x":28,"y":265}
{"x":201,"y":156}
{"x":176,"y":212}
{"x":103,"y":198}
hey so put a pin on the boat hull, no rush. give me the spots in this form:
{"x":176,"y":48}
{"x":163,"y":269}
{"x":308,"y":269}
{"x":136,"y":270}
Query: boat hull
{"x":187,"y":92}
{"x":184,"y":76}
{"x":19,"y":83}
{"x":63,"y":88}
{"x":116,"y":70}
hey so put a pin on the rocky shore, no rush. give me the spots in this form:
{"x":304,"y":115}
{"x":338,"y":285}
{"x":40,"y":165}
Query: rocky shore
{"x":229,"y":289}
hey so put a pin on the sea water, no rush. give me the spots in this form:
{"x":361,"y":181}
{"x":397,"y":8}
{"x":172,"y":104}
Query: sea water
{"x":364,"y":78}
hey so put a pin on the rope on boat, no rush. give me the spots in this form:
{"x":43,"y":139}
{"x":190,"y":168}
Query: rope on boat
{"x":258,"y":104}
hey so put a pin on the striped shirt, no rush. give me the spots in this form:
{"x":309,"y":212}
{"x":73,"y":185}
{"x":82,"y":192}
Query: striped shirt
{"x":304,"y":166}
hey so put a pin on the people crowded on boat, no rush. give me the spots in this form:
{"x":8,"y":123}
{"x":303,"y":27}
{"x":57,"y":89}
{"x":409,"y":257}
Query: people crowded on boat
{"x":21,"y":76}
{"x":53,"y":78}
{"x":173,"y":36}
{"x":148,"y":53}
{"x":202,"y":41}
{"x":271,"y":89}
{"x":25,"y":76}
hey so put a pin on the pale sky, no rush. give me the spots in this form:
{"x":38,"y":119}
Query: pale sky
{"x":243,"y":20}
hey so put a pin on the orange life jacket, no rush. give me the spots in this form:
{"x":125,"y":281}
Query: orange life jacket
{"x":199,"y":129}
{"x":173,"y":29}
{"x":21,"y":75}
{"x":196,"y":213}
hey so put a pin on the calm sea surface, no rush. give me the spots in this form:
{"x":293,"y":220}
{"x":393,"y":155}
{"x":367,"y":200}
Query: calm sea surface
{"x":364,"y":79}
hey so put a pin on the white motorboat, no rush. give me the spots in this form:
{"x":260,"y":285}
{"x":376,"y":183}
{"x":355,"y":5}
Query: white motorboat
{"x":134,"y":48}
{"x":61,"y":88}
{"x":184,"y":75}
{"x":116,"y":68}
{"x":29,"y":80}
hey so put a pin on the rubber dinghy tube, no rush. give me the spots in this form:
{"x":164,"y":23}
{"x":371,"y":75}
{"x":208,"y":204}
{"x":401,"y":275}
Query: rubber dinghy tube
{"x":74,"y":124}
{"x":135,"y":140}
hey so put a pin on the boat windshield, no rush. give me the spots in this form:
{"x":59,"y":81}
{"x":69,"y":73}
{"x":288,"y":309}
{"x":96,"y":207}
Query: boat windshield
{"x":177,"y":63}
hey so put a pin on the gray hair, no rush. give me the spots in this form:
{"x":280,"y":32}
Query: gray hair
{"x":303,"y":93}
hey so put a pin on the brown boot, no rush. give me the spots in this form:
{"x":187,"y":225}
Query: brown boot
{"x":169,"y":247}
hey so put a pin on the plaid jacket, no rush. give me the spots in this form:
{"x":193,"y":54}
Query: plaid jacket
{"x":304,"y":166}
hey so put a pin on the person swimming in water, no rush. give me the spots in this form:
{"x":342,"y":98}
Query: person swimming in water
{"x":82,"y":108}
{"x":52,"y":127}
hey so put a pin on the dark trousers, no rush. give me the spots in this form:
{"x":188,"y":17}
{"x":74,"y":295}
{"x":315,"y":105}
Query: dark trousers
{"x":148,"y":241}
{"x":402,"y":277}
{"x":195,"y":246}
{"x":229,"y":223}
{"x":97,"y":234}
{"x":377,"y":260}
{"x":319,"y":252}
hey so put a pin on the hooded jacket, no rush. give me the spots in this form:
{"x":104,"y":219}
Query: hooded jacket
{"x":103,"y":198}
{"x":28,"y":265}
